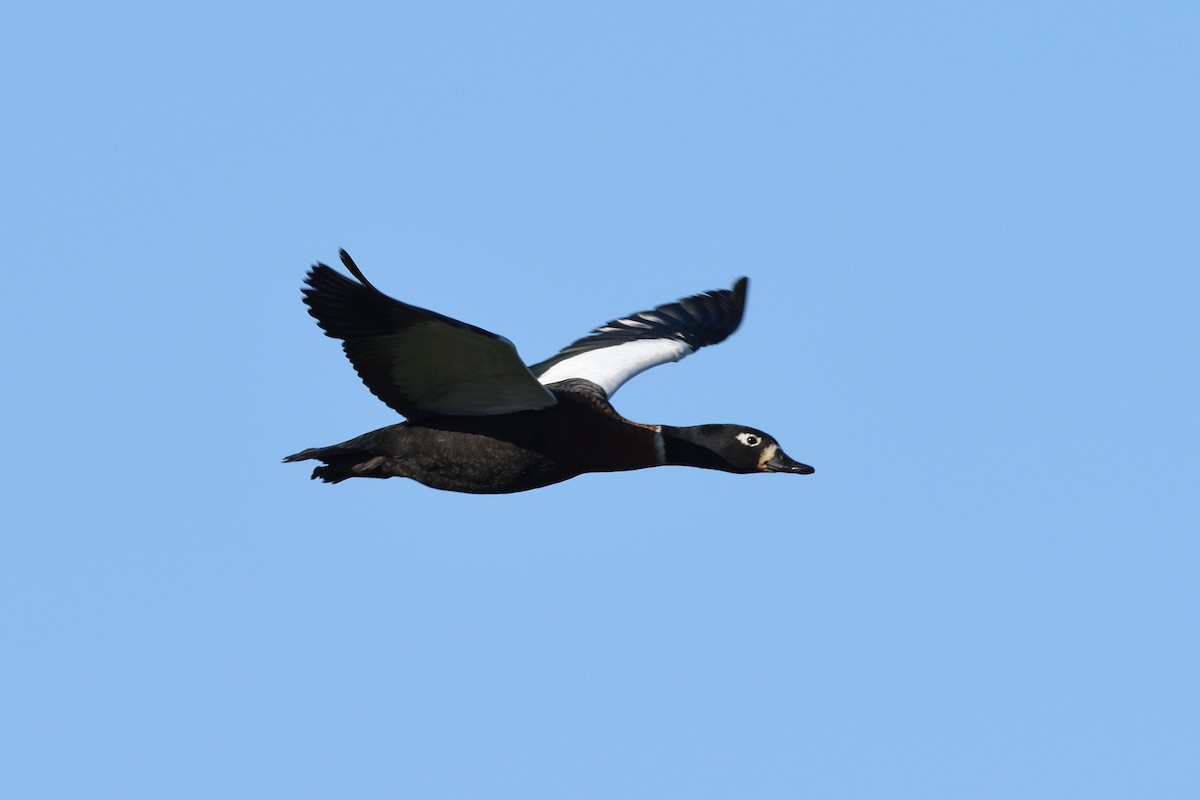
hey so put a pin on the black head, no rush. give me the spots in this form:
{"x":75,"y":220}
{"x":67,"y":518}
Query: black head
{"x":731,"y":448}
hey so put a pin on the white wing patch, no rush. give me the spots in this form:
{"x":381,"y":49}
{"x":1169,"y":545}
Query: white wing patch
{"x":609,"y":367}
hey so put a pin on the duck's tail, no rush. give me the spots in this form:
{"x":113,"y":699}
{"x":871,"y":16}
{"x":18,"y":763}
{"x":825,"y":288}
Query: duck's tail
{"x":357,"y":458}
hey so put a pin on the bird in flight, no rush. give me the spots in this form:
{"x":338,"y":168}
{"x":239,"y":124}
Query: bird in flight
{"x":480,"y":421}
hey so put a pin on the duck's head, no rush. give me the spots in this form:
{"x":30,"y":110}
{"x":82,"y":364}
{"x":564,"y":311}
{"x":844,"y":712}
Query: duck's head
{"x":730,"y":448}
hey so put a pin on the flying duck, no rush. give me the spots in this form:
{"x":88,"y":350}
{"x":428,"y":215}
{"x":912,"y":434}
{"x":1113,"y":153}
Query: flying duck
{"x":481,"y":421}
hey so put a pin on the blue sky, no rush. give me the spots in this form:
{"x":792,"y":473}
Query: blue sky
{"x":971,"y":236}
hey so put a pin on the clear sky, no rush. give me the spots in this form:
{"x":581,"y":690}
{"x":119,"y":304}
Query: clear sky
{"x":970,"y":230}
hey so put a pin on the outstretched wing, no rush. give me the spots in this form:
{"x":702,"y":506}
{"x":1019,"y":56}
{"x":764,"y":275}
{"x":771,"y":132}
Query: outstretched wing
{"x":417,"y":361}
{"x":618,"y":350}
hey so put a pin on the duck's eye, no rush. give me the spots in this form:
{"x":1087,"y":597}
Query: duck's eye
{"x":749,"y":439}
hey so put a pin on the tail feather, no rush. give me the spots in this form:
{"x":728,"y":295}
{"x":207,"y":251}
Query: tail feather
{"x":341,"y":462}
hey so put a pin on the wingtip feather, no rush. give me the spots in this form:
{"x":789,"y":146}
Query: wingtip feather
{"x":354,"y":270}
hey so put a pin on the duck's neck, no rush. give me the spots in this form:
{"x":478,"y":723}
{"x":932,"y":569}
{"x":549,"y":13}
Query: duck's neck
{"x":684,"y":447}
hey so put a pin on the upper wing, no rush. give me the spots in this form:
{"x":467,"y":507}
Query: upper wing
{"x":620,"y":349}
{"x":417,"y":361}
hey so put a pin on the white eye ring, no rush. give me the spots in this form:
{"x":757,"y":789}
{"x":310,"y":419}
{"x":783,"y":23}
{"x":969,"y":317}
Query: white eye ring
{"x":749,"y":439}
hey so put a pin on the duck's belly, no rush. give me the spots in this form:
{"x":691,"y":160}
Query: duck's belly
{"x":465,"y":461}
